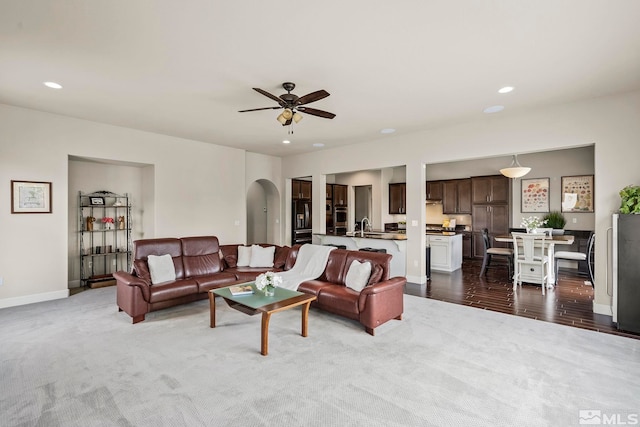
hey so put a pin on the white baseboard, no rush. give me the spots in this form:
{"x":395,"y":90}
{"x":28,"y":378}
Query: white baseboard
{"x":30,"y":299}
{"x":417,"y":279}
{"x":602,"y":309}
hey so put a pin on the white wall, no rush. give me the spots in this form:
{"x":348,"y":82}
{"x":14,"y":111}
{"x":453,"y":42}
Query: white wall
{"x":198,"y":189}
{"x":611,"y":123}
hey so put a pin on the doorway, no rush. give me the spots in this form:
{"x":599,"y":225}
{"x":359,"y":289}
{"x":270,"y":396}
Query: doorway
{"x":263,"y":213}
{"x":363,"y":204}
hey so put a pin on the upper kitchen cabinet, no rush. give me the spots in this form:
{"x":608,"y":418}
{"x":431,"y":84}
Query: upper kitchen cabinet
{"x":492,"y":189}
{"x":398,"y":198}
{"x":301,"y":189}
{"x":330,"y":191}
{"x":456,"y":196}
{"x":339,"y":195}
{"x":434,"y":190}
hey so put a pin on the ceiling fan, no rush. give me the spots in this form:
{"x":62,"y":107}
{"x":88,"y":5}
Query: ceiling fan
{"x":294,"y":105}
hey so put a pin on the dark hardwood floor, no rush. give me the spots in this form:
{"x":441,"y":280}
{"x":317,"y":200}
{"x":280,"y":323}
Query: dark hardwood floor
{"x":569,"y":303}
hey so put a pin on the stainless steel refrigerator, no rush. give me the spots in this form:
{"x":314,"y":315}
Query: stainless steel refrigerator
{"x":301,"y":222}
{"x":626,"y":272}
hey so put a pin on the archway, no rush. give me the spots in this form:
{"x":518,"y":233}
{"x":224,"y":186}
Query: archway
{"x":263,"y":213}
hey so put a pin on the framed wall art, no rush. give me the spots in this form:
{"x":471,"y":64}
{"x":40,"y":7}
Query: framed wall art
{"x":577,"y":193}
{"x":535,"y":195}
{"x":30,"y":197}
{"x":96,"y":201}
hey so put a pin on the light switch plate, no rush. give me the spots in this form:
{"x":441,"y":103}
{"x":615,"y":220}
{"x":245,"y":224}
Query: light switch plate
{"x":414,"y":222}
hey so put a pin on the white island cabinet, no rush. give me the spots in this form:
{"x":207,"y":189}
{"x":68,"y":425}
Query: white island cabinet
{"x":446,"y":252}
{"x":396,"y":247}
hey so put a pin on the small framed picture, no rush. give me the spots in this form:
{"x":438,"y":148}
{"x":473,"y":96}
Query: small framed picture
{"x":535,"y":195}
{"x":577,"y":193}
{"x":30,"y":197}
{"x":96,"y":201}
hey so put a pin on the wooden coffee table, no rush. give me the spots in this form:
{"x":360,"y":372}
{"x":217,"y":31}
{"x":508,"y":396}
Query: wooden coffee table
{"x":255,"y":303}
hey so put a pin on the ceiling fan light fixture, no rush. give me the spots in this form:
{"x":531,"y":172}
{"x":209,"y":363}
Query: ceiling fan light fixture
{"x":287,"y":114}
{"x":297,"y":117}
{"x":281,"y":119}
{"x":515,"y":170}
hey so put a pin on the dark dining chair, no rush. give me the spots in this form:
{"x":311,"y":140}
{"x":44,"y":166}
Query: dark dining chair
{"x":577,"y":256}
{"x":490,"y":252}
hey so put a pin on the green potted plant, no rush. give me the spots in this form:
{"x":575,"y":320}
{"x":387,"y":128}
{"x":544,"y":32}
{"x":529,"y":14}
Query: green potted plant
{"x":630,"y":196}
{"x":556,"y":221}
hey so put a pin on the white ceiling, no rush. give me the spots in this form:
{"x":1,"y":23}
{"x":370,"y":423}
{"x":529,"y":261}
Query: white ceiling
{"x":184,"y":68}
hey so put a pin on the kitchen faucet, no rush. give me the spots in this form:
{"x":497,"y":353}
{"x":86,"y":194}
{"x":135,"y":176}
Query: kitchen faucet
{"x":362,"y":225}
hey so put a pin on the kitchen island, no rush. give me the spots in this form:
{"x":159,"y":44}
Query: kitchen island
{"x":446,"y":251}
{"x":394,"y":243}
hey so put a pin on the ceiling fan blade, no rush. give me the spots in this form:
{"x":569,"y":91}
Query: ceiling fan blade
{"x":312,"y":97}
{"x":287,"y":123}
{"x":268,"y":95}
{"x":258,"y":109}
{"x":319,"y":113}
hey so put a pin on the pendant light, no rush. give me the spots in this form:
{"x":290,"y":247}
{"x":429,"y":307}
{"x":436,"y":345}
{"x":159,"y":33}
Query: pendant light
{"x":515,"y":170}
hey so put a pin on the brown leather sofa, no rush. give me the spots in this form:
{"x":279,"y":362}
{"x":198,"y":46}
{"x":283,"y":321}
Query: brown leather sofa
{"x":199,"y":266}
{"x":202,"y":264}
{"x":380,"y":301}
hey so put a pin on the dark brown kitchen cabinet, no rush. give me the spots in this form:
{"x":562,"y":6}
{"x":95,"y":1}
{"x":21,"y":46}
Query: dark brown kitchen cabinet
{"x":434,"y":190}
{"x":339,"y":195}
{"x":456,"y":196}
{"x":495,"y":218}
{"x":492,"y":189}
{"x":330,"y":191}
{"x":398,"y":198}
{"x":300,"y":189}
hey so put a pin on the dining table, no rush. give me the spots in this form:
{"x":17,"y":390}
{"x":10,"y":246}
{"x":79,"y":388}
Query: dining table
{"x":549,"y":250}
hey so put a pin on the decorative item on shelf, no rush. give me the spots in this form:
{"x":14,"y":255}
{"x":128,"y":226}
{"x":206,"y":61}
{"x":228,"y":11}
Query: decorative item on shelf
{"x":532,"y":223}
{"x":121,"y":222}
{"x":556,"y":221}
{"x":268,"y":282}
{"x":117,"y":203}
{"x":90,"y":221}
{"x":108,"y":222}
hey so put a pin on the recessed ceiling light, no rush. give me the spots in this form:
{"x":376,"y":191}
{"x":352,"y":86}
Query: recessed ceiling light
{"x":286,"y":141}
{"x":387,"y":130}
{"x":318,"y":144}
{"x":506,"y":89}
{"x":494,"y":109}
{"x":53,"y":85}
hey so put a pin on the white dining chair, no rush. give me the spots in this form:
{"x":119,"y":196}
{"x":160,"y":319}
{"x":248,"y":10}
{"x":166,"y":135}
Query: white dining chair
{"x":530,"y":260}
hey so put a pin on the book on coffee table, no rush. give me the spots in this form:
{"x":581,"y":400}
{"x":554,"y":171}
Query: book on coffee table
{"x":241,"y":290}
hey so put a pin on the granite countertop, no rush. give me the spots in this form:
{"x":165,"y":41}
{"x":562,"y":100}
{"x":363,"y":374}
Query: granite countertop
{"x":380,"y":235}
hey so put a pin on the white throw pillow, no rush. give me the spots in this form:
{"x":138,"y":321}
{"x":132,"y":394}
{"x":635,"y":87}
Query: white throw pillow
{"x":244,"y":256}
{"x":161,"y":268}
{"x":358,"y":275}
{"x":262,"y":257}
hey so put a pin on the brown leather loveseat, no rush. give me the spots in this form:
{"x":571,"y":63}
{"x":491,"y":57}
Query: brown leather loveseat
{"x":380,"y":301}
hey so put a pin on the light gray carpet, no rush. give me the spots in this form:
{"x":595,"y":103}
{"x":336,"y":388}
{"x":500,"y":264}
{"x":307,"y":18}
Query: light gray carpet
{"x":78,"y":362}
